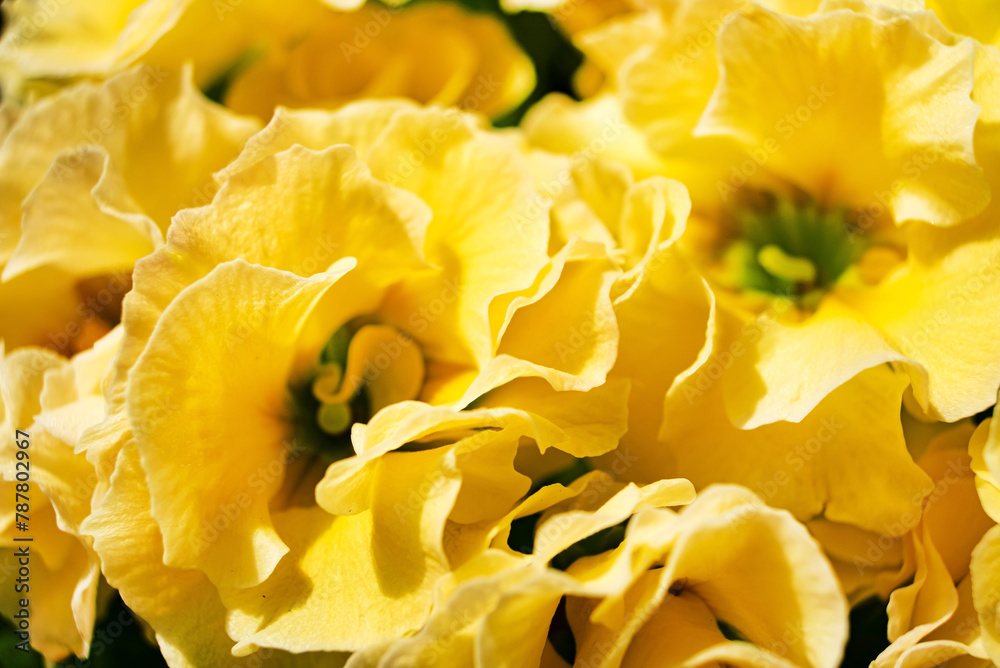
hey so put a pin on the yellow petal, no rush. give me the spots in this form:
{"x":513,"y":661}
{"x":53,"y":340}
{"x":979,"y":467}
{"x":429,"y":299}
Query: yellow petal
{"x":181,"y":605}
{"x":584,"y":424}
{"x":667,"y":84}
{"x":668,"y":292}
{"x":596,"y":127}
{"x":763,"y":384}
{"x":653,"y":217}
{"x":241,"y":321}
{"x":58,"y":46}
{"x":954,"y":518}
{"x":845,"y":459}
{"x":984,"y":449}
{"x":682,"y":626}
{"x":961,"y":628}
{"x":374,"y":567}
{"x":903,"y":97}
{"x":39,"y":395}
{"x":63,"y":581}
{"x":465,"y":544}
{"x":372,"y":52}
{"x":81,"y":220}
{"x":328,"y":206}
{"x":301,"y":210}
{"x":588,"y":207}
{"x":867,"y":563}
{"x":563,"y":529}
{"x":491,"y":486}
{"x":985,"y":590}
{"x":488,"y":234}
{"x":345,"y":489}
{"x":23,"y":372}
{"x":673,"y":611}
{"x":794,"y":578}
{"x":974,"y":18}
{"x":358,"y":124}
{"x":400,"y":380}
{"x":564,"y":331}
{"x":498,"y":607}
{"x":920,"y":309}
{"x":139,"y":117}
{"x":77,"y":40}
{"x":918,"y":608}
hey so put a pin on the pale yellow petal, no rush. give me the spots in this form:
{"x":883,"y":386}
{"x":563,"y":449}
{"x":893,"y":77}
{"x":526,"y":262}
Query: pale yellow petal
{"x":846,"y":459}
{"x":762,"y":387}
{"x":670,"y":302}
{"x":374,"y":568}
{"x":62,"y":581}
{"x":986,"y":590}
{"x":241,"y":322}
{"x":488,"y":234}
{"x":81,"y":219}
{"x":984,"y":449}
{"x":181,"y":605}
{"x":775,"y":560}
{"x":903,"y":98}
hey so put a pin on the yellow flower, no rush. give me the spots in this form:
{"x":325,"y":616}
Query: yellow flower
{"x":679,"y":588}
{"x":985,"y":591}
{"x":600,"y":200}
{"x":47,"y":401}
{"x":297,"y":54}
{"x":985,"y":452}
{"x":89,"y":179}
{"x":875,"y":562}
{"x":802,"y":246}
{"x":593,"y":128}
{"x":883,"y":242}
{"x":433,"y":53}
{"x":46,"y":44}
{"x":369,"y":288}
{"x":934,"y":619}
{"x":674,"y":334}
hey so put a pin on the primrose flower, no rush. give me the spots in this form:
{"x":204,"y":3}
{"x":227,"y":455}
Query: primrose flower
{"x":376,"y":52}
{"x":874,"y":562}
{"x":793,"y":252}
{"x":354,"y":339}
{"x":83,"y":196}
{"x":677,"y":420}
{"x":255,"y":55}
{"x":47,"y":44}
{"x":939,"y":616}
{"x":986,"y":600}
{"x":665,"y":589}
{"x":793,"y":216}
{"x":46,"y":402}
{"x":984,"y":450}
{"x":985,"y":453}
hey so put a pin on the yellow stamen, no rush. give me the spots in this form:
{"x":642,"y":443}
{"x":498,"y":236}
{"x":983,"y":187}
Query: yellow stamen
{"x":387,"y":363}
{"x":334,"y":419}
{"x":779,"y":264}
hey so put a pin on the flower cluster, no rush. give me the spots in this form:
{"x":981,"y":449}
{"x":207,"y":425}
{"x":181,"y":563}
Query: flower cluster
{"x":315,"y":352}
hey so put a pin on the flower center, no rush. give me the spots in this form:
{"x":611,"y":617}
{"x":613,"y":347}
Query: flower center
{"x":792,"y":249}
{"x":361,"y":370}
